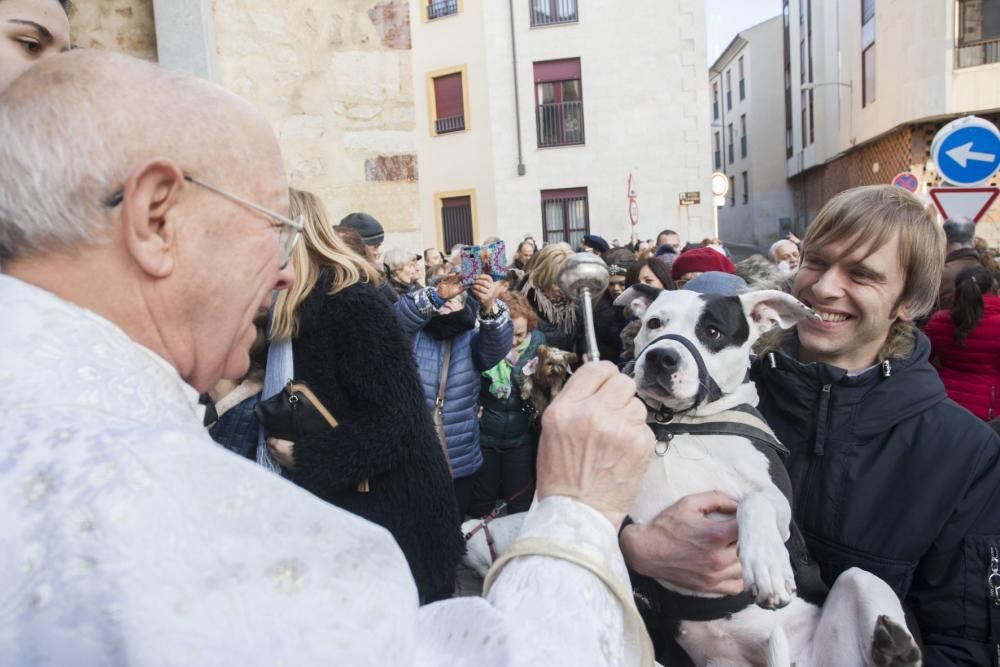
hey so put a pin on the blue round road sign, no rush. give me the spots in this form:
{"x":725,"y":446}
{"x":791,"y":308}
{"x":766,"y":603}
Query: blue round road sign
{"x":967,"y":151}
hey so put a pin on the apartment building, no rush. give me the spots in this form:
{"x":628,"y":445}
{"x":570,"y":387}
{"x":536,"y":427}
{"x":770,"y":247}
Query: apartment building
{"x":536,"y":117}
{"x":868,"y":83}
{"x":747,"y":105}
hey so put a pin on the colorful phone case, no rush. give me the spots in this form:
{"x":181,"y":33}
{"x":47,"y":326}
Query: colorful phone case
{"x":490,"y":258}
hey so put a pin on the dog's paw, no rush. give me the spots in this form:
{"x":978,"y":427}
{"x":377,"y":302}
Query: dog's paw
{"x":893,"y":646}
{"x":767,"y":572}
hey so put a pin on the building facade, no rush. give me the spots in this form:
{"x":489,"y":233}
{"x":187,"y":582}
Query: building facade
{"x":334,"y":78}
{"x":868,"y":83}
{"x":747,"y":103}
{"x":544,"y":117}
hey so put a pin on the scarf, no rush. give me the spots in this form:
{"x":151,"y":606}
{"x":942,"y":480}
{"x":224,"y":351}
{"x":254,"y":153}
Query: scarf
{"x":501,"y":374}
{"x":443,"y":327}
{"x":560,"y":312}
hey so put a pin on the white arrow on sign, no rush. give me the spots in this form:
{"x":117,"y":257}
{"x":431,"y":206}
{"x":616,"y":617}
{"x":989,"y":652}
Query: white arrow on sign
{"x":962,"y":154}
{"x":969,"y":203}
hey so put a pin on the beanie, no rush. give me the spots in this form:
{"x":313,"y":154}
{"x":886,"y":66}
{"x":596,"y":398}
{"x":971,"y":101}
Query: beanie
{"x":596,"y":242}
{"x":368,"y":228}
{"x":701,"y":260}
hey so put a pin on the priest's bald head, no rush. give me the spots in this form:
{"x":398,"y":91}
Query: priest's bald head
{"x":156,"y":200}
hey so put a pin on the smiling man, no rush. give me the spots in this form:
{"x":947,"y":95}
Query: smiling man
{"x":889,"y":474}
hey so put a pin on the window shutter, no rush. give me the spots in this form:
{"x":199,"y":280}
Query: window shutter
{"x":557,"y":70}
{"x":448,"y":96}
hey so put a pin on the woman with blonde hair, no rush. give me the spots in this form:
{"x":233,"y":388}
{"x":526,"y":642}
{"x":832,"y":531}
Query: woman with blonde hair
{"x":557,"y":316}
{"x":383,"y":461}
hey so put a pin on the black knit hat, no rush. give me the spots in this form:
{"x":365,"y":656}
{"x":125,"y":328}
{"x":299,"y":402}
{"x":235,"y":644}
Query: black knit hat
{"x":368,"y":228}
{"x":596,"y":242}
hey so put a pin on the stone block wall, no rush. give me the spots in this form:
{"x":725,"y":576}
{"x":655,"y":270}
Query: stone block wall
{"x":334,"y":78}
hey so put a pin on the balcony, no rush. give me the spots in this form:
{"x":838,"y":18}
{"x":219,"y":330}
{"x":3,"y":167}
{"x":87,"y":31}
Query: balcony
{"x":449,"y":124}
{"x":743,"y":146}
{"x":560,"y":124}
{"x":553,"y":12}
{"x":978,"y":53}
{"x":439,"y":8}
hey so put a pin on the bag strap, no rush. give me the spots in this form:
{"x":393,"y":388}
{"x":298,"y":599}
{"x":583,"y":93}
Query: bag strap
{"x":439,"y":402}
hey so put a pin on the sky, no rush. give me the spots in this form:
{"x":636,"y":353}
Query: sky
{"x":725,"y":18}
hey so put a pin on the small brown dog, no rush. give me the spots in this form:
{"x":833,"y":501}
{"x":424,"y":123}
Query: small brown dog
{"x":545,"y":375}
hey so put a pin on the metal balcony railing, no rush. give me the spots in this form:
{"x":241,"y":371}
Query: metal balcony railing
{"x":978,"y":53}
{"x":552,"y":12}
{"x":449,"y":124}
{"x":560,"y":124}
{"x":438,"y":8}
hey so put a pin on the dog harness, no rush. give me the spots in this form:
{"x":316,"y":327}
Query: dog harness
{"x":484,"y":525}
{"x":743,"y":421}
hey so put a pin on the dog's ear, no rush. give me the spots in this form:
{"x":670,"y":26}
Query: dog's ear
{"x":572,"y":359}
{"x":770,"y":308}
{"x":637,"y":298}
{"x":541,"y":351}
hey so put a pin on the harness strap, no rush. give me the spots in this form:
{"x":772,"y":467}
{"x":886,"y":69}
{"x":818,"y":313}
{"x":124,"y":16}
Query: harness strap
{"x":671,"y":607}
{"x":743,"y":421}
{"x":484,"y":525}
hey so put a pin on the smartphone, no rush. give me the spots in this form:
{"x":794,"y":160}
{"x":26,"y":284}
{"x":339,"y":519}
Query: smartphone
{"x":489,"y":258}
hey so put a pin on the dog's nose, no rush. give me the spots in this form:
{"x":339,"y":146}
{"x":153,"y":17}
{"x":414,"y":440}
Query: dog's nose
{"x":666,"y":357}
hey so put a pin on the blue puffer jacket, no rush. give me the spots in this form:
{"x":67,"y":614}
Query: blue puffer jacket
{"x":473,"y":352}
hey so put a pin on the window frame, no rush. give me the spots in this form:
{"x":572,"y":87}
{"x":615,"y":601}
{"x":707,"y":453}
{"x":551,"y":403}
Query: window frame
{"x":538,"y":104}
{"x":439,"y":198}
{"x":564,"y":196}
{"x":432,"y":99}
{"x":425,"y":13}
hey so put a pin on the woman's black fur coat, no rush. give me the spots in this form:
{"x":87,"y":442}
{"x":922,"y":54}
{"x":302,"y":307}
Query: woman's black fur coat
{"x":351,"y":351}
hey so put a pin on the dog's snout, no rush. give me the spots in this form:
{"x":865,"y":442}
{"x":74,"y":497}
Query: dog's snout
{"x":665,"y":357}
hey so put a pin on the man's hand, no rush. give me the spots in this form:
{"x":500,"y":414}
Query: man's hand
{"x":684,"y":546}
{"x":450,"y":287}
{"x":595,"y":444}
{"x":282,"y":452}
{"x":485,"y":292}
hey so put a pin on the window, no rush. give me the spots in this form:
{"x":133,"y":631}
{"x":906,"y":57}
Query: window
{"x":743,"y":135}
{"x":456,"y":221}
{"x":717,"y":144}
{"x":867,"y":52}
{"x":743,"y":85}
{"x":730,"y":127}
{"x":559,"y":100}
{"x":746,"y":189}
{"x":439,"y":8}
{"x":787,"y":57}
{"x":449,"y":102}
{"x":732,"y":191}
{"x":729,"y":89}
{"x":978,"y":39}
{"x":565,"y":216}
{"x":804,"y":102}
{"x":552,"y":12}
{"x":715,"y":101}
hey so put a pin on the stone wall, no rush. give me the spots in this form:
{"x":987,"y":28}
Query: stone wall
{"x":118,"y":25}
{"x":334,"y":79}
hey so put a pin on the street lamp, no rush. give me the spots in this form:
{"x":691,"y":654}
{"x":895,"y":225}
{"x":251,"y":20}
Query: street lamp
{"x":850,"y":109}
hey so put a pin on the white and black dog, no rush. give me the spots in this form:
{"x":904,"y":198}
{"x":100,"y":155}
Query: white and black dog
{"x":691,"y":370}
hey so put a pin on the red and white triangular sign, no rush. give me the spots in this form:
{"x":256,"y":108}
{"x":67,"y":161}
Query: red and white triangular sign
{"x":971,"y":203}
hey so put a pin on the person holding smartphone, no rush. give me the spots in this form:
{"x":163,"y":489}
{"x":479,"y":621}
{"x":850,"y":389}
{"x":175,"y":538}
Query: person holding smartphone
{"x":452,"y":352}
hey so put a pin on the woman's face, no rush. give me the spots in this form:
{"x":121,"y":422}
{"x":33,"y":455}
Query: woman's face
{"x":521,"y":332}
{"x":647,"y":277}
{"x":30,"y":30}
{"x":413,"y":271}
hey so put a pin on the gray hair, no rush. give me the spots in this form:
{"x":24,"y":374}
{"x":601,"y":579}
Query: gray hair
{"x":774,"y":247}
{"x":73,"y":128}
{"x":960,"y":230}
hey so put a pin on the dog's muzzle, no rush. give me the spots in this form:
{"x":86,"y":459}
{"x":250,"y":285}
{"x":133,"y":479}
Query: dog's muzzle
{"x":708,"y":389}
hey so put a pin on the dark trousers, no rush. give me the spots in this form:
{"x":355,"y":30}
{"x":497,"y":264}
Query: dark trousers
{"x":463,"y":495}
{"x":504,"y":473}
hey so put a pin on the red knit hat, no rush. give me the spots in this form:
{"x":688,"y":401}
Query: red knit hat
{"x":701,"y":260}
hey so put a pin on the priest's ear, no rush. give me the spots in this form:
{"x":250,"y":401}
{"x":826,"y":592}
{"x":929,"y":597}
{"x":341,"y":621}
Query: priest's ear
{"x":151,"y":214}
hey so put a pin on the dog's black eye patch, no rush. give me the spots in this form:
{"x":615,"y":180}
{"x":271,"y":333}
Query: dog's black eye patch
{"x":722,"y":323}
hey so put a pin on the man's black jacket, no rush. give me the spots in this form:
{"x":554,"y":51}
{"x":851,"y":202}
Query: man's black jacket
{"x":890,"y":475}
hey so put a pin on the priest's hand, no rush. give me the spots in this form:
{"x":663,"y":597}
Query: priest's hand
{"x":595,"y":443}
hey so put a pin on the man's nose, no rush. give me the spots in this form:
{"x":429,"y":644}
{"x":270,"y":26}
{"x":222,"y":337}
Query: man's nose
{"x":829,"y":285}
{"x":286,"y":277}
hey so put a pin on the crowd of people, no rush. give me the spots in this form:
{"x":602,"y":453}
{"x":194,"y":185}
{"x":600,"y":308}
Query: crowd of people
{"x":162,"y":280}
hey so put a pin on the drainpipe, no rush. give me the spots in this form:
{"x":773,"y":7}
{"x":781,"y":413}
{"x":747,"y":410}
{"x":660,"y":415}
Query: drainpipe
{"x":517,"y":99}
